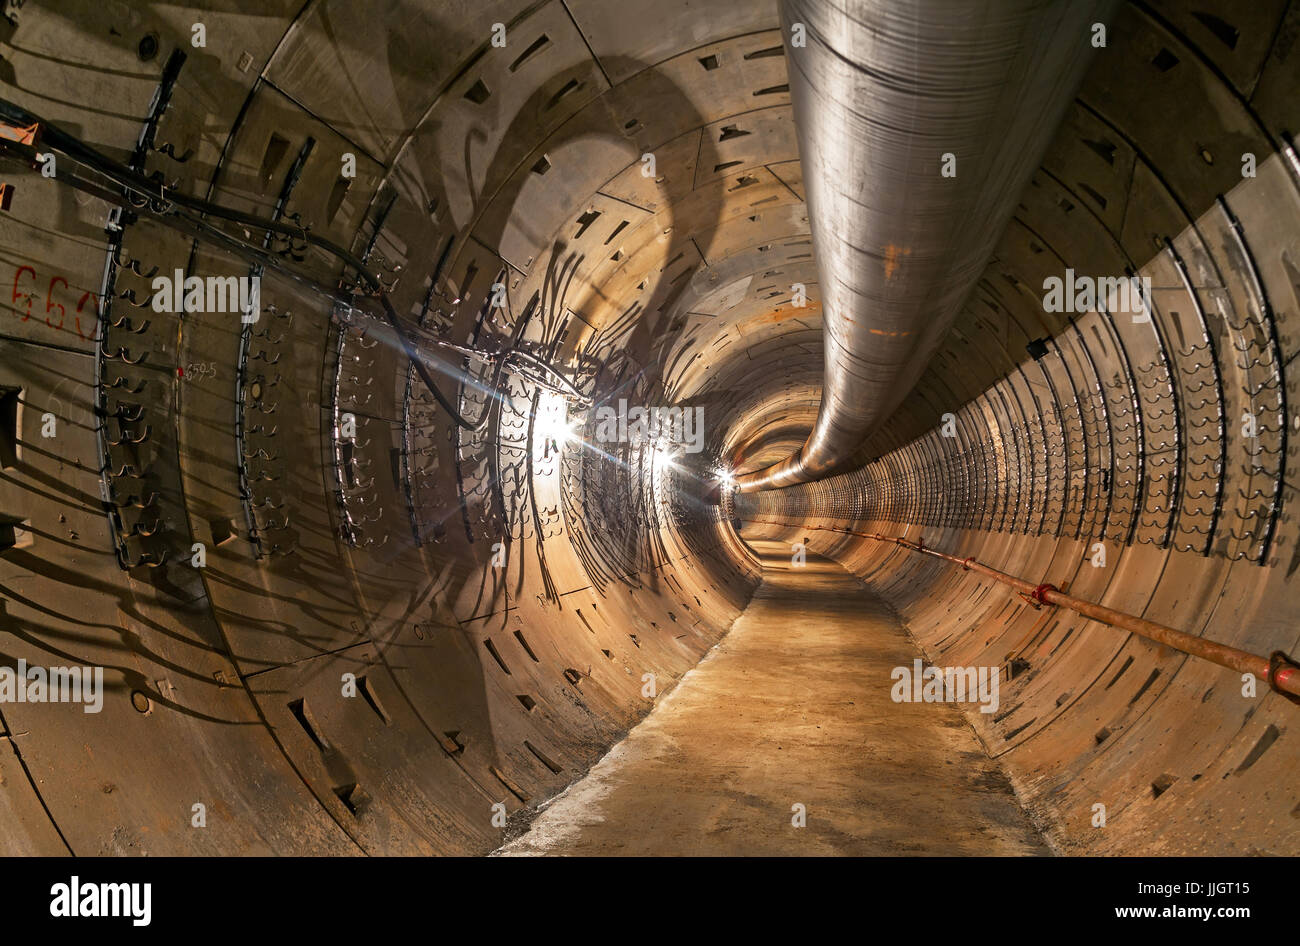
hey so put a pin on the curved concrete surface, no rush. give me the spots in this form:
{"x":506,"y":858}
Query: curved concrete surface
{"x":780,"y":743}
{"x":342,"y":625}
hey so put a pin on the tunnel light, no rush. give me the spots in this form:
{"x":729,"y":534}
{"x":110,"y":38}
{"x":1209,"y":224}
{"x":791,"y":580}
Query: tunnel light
{"x":662,"y":457}
{"x":552,"y":425}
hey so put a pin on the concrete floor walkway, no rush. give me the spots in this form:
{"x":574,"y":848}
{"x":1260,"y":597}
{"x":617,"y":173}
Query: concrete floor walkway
{"x":793,"y":707}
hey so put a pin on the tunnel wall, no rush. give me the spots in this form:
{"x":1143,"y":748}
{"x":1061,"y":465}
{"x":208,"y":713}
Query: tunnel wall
{"x":1141,"y":464}
{"x":376,"y":554}
{"x":1184,"y":761}
{"x":394,"y":629}
{"x":1141,"y":459}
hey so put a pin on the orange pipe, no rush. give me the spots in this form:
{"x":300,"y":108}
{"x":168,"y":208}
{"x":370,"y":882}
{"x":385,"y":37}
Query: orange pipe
{"x":1279,"y":671}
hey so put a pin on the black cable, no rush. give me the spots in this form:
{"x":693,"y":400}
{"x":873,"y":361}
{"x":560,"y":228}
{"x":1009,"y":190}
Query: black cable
{"x":130,"y":180}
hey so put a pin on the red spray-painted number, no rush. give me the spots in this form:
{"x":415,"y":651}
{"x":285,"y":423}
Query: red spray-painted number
{"x":52,"y":303}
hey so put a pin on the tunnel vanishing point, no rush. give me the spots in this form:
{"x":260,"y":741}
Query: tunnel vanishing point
{"x":683,"y":427}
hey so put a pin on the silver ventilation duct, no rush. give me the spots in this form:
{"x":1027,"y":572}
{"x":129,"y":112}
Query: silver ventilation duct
{"x":888,"y":95}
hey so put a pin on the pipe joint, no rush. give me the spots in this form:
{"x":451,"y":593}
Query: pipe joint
{"x":1038,"y":594}
{"x":1281,"y":666}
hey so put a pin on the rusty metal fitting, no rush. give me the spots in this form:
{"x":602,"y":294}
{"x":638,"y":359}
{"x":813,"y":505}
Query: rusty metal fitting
{"x":1278,"y":661}
{"x":1042,"y":589}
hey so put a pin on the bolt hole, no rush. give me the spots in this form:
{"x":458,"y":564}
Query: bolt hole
{"x":148,"y":47}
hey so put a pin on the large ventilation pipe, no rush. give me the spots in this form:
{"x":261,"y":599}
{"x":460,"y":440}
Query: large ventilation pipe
{"x":919,"y":125}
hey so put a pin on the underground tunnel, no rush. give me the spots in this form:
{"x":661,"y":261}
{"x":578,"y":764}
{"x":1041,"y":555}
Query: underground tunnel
{"x":700,"y":427}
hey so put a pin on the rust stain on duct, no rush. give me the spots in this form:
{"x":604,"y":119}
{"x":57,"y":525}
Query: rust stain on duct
{"x":892,"y":253}
{"x":781,"y":315}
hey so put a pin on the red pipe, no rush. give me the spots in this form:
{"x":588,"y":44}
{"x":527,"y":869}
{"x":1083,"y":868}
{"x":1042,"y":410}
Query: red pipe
{"x":1279,"y":671}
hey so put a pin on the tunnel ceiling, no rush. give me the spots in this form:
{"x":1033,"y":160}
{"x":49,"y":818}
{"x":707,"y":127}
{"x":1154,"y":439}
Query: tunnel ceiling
{"x":616,"y":191}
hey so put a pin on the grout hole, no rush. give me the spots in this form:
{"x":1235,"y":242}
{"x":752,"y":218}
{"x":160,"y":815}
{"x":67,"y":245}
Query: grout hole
{"x":1103,"y":148}
{"x":1164,"y":60}
{"x":307,"y":721}
{"x":368,"y":692}
{"x":617,"y":230}
{"x":1101,"y":201}
{"x":1261,"y":746}
{"x":519,"y":635}
{"x":276,"y":148}
{"x":538,"y":45}
{"x":571,"y":86}
{"x":1145,"y":686}
{"x":10,"y":412}
{"x":337,"y":193}
{"x":585,"y":221}
{"x":543,"y":758}
{"x":353,"y":796}
{"x":1224,"y":31}
{"x":1115,"y":679}
{"x":492,"y":649}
